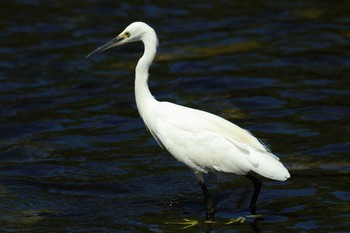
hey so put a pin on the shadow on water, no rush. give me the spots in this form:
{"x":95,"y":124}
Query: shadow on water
{"x":75,"y":156}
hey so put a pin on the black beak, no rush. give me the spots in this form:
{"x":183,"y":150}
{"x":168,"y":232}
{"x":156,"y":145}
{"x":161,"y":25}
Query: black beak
{"x":109,"y":44}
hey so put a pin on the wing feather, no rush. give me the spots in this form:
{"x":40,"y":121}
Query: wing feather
{"x":204,"y":141}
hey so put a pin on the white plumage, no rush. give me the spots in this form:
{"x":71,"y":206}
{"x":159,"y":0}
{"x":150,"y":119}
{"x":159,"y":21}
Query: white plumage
{"x":206,"y":142}
{"x":201,"y":140}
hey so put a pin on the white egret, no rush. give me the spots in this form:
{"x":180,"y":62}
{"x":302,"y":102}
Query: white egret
{"x":201,"y":140}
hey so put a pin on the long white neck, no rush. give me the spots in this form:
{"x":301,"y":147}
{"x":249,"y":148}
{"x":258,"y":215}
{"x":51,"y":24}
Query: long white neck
{"x":142,"y":93}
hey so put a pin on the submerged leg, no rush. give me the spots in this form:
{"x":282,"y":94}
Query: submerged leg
{"x":207,"y":196}
{"x":209,"y":202}
{"x":257,"y":187}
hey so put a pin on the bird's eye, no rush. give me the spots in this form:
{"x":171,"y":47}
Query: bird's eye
{"x":127,"y":34}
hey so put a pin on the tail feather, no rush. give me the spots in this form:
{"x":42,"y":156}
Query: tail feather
{"x":270,"y":167}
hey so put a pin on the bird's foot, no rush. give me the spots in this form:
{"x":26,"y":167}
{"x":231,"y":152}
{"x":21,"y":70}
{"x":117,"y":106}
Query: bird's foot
{"x":187,"y":222}
{"x":241,"y":219}
{"x":236,"y":220}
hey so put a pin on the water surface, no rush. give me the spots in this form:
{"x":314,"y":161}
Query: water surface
{"x":75,"y":156}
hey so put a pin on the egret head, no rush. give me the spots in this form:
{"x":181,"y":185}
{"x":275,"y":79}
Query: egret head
{"x":137,"y":31}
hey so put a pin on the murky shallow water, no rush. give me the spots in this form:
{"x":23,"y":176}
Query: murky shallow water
{"x":75,"y":156}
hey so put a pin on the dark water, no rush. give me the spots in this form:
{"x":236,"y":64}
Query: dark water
{"x":75,"y":156}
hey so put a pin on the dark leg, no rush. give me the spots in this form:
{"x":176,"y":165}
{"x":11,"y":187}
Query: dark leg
{"x":257,"y":187}
{"x":209,"y":202}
